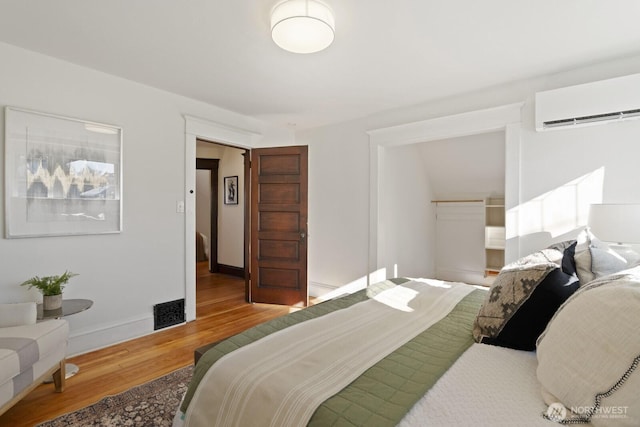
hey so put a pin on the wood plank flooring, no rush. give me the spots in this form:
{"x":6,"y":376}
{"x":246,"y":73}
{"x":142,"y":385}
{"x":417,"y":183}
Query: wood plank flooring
{"x":221,"y":311}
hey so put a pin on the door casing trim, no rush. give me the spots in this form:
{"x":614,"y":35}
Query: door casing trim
{"x":197,"y":128}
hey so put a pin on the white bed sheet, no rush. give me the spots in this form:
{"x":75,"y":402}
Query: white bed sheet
{"x":487,"y":386}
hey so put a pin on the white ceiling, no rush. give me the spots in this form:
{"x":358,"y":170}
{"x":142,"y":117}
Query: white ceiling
{"x":386,"y":55}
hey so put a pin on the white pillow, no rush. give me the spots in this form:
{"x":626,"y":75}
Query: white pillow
{"x":18,"y":314}
{"x":592,"y":344}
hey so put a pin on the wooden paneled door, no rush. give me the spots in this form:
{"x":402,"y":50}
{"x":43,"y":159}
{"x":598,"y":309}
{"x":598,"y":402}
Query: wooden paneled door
{"x":278,"y":250}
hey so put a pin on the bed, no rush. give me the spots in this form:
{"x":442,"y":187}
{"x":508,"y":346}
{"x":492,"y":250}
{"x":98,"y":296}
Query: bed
{"x":421,"y":352}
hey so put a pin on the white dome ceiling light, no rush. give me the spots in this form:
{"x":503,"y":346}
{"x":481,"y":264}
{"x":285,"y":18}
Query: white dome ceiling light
{"x":302,"y":26}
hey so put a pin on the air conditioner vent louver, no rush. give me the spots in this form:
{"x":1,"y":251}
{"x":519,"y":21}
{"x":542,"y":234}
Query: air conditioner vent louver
{"x":589,"y":104}
{"x":619,"y":115}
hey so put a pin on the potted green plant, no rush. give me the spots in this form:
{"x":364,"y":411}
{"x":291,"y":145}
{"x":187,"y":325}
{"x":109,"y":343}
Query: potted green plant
{"x":51,"y":288}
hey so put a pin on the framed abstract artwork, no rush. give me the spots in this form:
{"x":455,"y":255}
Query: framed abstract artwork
{"x":63,"y":176}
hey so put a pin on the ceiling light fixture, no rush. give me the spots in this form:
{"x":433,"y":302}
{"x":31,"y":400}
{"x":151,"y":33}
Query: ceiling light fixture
{"x":302,"y":26}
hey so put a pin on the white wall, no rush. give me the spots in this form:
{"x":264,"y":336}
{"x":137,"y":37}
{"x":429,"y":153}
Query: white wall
{"x":338,"y":206}
{"x":589,"y":165}
{"x":409,"y":213}
{"x":547,"y":164}
{"x":124,"y":274}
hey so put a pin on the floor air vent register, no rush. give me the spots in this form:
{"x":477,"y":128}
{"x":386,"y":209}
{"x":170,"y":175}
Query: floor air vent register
{"x":168,"y":314}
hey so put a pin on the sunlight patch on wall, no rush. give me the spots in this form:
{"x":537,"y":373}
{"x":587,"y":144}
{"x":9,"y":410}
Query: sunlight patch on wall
{"x":558,"y":211}
{"x":378,"y":275}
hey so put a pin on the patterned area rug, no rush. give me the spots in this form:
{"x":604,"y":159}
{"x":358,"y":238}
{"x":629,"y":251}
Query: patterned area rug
{"x":150,"y":404}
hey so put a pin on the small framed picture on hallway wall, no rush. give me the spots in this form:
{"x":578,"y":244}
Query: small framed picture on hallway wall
{"x":230,"y":190}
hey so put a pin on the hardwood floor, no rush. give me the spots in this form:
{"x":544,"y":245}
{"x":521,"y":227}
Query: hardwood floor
{"x":221,"y":311}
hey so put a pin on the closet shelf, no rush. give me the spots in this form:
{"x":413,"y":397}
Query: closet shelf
{"x":494,"y":236}
{"x":458,"y":201}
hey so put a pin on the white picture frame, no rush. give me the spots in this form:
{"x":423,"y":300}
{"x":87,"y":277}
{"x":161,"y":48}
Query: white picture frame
{"x":63,"y":176}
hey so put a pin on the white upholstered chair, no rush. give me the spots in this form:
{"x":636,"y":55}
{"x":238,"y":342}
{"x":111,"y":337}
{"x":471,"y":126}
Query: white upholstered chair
{"x":30,"y":352}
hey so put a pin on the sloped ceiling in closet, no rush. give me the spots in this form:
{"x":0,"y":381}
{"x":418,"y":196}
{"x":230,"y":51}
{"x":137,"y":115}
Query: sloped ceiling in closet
{"x":466,"y":167}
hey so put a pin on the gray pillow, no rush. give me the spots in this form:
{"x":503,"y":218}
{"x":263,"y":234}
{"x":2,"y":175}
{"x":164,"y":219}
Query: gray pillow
{"x":595,"y":258}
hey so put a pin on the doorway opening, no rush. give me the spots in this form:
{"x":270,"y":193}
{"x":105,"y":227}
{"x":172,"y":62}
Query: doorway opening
{"x":207,"y":212}
{"x":220,"y":225}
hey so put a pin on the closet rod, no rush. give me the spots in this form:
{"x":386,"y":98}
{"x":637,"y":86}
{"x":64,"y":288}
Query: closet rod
{"x":459,"y":201}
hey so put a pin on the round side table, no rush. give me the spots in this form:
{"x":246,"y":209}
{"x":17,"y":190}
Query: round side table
{"x":69,"y":307}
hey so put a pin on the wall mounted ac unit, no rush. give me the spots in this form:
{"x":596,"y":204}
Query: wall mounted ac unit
{"x":588,"y":104}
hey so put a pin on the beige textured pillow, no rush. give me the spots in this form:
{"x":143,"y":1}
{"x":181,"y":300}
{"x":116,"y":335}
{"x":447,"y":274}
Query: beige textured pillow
{"x":511,"y":289}
{"x":18,"y":314}
{"x":588,"y":356}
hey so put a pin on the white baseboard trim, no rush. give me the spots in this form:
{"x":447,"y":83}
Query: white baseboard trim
{"x":84,"y":341}
{"x":326,"y":292}
{"x":317,"y":289}
{"x":473,"y":277}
